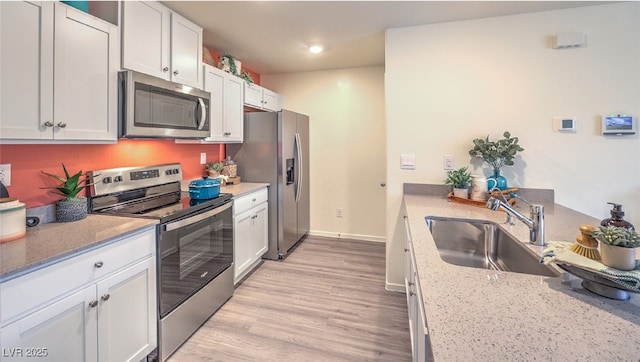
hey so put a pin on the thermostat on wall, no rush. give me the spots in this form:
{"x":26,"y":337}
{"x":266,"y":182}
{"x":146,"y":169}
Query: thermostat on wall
{"x":564,"y":124}
{"x":619,"y":124}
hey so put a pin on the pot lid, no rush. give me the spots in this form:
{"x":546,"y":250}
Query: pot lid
{"x":205,"y":182}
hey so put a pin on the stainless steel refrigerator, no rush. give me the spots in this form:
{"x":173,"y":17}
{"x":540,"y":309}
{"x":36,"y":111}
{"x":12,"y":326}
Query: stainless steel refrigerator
{"x":276,"y":150}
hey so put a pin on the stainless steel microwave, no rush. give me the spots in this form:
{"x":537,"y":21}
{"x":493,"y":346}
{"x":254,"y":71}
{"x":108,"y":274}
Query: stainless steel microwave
{"x":150,"y":107}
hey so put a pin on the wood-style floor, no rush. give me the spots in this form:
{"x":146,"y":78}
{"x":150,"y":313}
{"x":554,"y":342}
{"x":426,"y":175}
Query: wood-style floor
{"x":325,"y":302}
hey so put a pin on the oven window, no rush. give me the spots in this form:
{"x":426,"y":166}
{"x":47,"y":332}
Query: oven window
{"x":193,"y":255}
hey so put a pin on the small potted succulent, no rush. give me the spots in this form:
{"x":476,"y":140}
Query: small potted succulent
{"x":497,"y":154}
{"x":460,"y":179}
{"x":72,"y":207}
{"x":617,"y":246}
{"x":214,"y":168}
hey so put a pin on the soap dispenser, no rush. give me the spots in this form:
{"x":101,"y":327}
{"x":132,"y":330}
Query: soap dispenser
{"x":616,"y":218}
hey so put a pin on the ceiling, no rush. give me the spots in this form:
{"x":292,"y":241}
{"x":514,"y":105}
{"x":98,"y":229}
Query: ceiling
{"x":272,"y":37}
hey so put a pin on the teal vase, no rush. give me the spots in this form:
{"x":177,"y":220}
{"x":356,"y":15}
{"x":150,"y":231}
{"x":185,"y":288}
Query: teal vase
{"x":501,"y":180}
{"x":497,"y":180}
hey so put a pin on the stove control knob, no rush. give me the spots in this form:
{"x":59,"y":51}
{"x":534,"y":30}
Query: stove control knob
{"x":117,"y":179}
{"x":176,"y":171}
{"x":168,"y":172}
{"x":106,"y":180}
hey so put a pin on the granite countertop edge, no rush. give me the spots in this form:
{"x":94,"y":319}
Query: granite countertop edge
{"x":472,"y":315}
{"x":50,"y":243}
{"x":243,"y":188}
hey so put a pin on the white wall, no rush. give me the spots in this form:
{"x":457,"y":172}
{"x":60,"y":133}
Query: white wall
{"x":449,"y":83}
{"x":346,"y":112}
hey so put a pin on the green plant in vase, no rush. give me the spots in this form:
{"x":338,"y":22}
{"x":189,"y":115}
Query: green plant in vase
{"x":460,"y":179}
{"x":72,"y":207}
{"x":497,"y":154}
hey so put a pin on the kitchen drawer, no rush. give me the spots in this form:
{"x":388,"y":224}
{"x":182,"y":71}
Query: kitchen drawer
{"x":21,"y":295}
{"x":246,"y":202}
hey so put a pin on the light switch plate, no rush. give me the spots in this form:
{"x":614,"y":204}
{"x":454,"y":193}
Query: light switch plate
{"x":408,"y":161}
{"x":203,"y":158}
{"x":449,"y":162}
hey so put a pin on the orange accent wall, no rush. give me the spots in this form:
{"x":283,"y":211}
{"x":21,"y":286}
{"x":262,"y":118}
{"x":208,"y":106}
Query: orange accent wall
{"x":28,"y":160}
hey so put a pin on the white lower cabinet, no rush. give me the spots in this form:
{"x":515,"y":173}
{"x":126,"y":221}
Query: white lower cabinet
{"x":420,"y":348}
{"x":250,"y":232}
{"x":109,"y":316}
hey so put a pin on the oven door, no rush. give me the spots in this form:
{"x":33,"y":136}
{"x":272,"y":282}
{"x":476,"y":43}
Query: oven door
{"x":194,"y":250}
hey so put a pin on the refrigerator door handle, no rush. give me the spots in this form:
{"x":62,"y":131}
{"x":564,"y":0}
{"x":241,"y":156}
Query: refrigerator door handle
{"x":300,"y":166}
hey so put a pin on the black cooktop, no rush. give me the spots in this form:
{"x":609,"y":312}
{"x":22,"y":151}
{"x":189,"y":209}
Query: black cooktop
{"x":184,"y":206}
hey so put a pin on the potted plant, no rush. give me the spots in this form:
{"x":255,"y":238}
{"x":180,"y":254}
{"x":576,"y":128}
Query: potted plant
{"x":497,"y":154}
{"x":460,"y":179}
{"x":72,"y":207}
{"x":214,"y":168}
{"x":617,"y":246}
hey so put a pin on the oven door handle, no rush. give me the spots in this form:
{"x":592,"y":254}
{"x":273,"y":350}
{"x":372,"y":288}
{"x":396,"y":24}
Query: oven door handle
{"x":198,"y":217}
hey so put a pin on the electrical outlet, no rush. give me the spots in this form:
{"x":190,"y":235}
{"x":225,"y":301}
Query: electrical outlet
{"x":449,"y":162}
{"x":339,"y":212}
{"x":5,"y":174}
{"x":203,"y":158}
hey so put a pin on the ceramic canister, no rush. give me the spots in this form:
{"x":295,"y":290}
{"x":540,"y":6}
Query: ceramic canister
{"x":478,"y":188}
{"x":13,"y":220}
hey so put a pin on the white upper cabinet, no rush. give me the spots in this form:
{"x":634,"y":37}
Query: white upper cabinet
{"x":226,"y":105}
{"x":259,"y":97}
{"x":49,"y":49}
{"x":159,"y":42}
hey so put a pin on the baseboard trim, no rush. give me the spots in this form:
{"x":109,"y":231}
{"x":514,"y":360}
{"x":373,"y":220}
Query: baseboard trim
{"x":327,"y":234}
{"x":392,"y":287}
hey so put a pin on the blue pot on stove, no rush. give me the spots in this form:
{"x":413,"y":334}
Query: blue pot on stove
{"x":204,"y":189}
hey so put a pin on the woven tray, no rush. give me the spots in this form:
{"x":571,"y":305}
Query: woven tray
{"x":496,"y":194}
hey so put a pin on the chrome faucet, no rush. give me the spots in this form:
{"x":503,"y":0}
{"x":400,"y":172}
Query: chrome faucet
{"x":535,"y":223}
{"x":509,"y":220}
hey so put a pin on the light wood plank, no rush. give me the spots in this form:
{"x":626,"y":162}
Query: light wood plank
{"x":325,"y":302}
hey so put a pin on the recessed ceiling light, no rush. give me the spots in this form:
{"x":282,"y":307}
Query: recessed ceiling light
{"x":315,"y":49}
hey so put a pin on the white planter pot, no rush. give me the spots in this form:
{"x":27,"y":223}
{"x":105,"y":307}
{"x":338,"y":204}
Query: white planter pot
{"x":461,"y":193}
{"x":618,"y":257}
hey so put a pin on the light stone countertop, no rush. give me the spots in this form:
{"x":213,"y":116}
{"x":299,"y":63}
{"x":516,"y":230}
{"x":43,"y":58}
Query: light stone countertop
{"x":242,"y":188}
{"x":471,"y":317}
{"x":49,"y":243}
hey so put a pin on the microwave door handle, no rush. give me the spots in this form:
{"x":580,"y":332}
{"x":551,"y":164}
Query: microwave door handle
{"x":203,"y":113}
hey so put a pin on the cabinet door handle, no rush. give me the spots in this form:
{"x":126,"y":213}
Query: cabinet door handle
{"x":105,"y":297}
{"x":98,"y":264}
{"x":48,"y":124}
{"x":227,"y":133}
{"x":165,"y":69}
{"x":62,"y":124}
{"x":405,"y":250}
{"x":411,"y":293}
{"x":175,"y":72}
{"x":93,"y":303}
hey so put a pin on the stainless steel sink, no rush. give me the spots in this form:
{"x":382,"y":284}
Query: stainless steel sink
{"x":484,"y":245}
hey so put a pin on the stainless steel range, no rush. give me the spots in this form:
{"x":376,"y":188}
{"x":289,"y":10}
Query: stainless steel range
{"x":194,"y":244}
